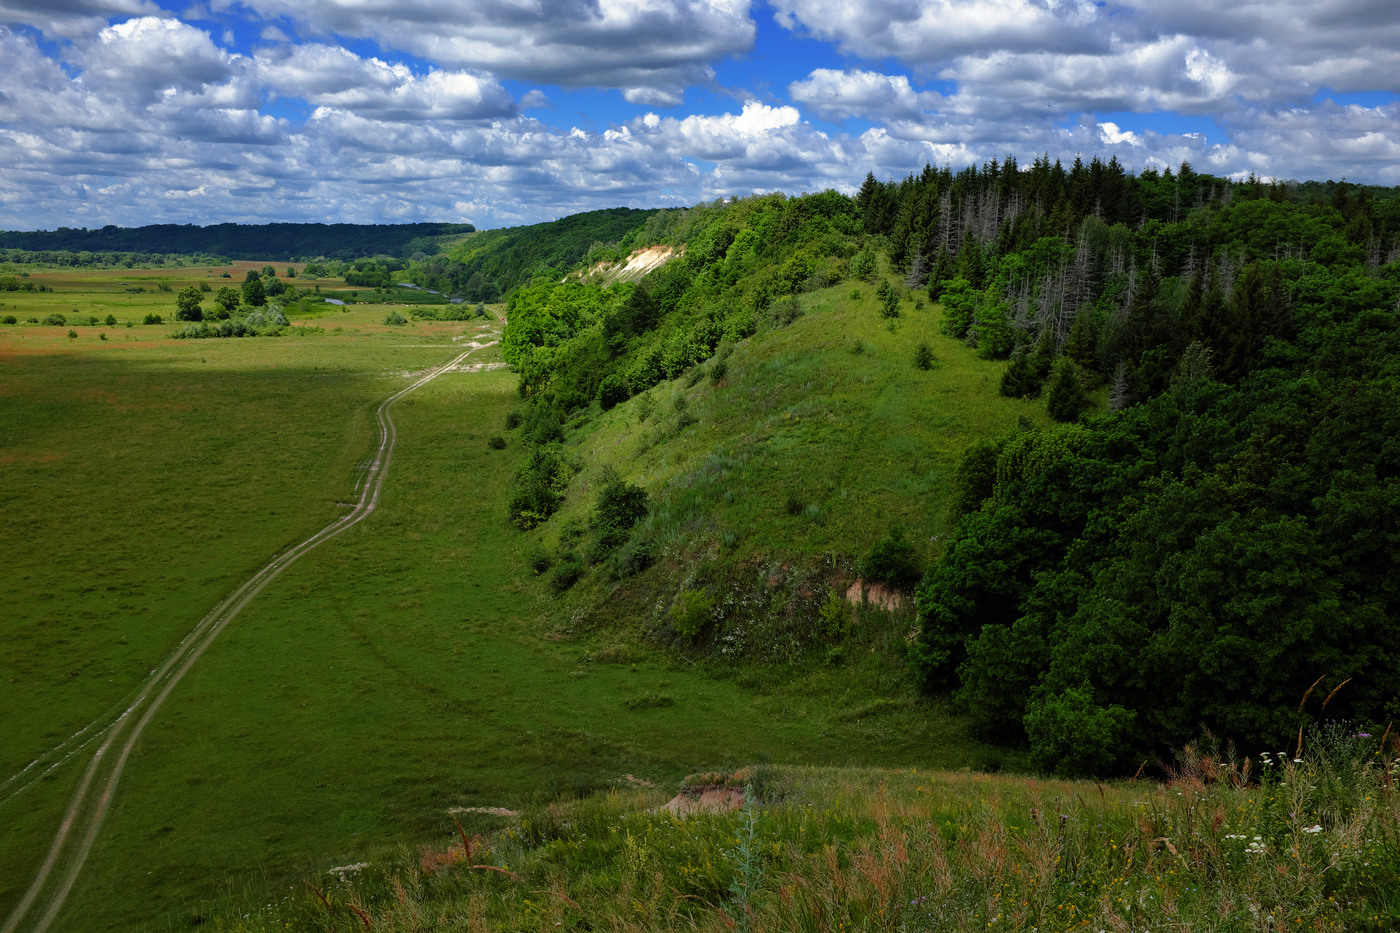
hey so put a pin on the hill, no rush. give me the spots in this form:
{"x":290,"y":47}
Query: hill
{"x":1199,"y":542}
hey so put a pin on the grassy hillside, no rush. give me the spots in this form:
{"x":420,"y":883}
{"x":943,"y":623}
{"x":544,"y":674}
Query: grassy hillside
{"x":768,"y":482}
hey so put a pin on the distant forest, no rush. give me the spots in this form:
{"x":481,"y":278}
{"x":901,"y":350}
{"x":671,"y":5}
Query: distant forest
{"x":280,"y":242}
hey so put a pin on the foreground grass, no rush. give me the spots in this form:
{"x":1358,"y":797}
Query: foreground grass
{"x":1315,"y":845}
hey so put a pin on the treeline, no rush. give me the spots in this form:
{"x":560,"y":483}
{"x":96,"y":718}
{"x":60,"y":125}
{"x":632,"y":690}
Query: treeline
{"x":106,"y":259}
{"x":283,"y":242}
{"x":492,"y":263}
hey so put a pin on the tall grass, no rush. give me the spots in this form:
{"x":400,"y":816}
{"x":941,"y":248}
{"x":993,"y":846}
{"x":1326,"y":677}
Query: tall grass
{"x":1222,"y":844}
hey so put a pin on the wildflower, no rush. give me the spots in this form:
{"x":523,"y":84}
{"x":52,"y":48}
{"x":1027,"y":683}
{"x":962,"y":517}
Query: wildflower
{"x":1313,"y":829}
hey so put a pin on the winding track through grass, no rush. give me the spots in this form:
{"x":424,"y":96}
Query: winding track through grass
{"x":83,"y":819}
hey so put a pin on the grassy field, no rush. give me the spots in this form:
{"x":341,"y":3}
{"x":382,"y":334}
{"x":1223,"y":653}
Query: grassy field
{"x":413,"y":664}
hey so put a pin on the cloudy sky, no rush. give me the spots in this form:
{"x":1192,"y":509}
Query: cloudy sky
{"x":501,"y":112}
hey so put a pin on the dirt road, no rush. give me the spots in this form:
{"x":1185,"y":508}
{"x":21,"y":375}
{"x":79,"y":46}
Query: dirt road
{"x":83,"y":818}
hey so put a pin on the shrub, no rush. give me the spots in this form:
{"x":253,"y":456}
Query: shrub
{"x":834,"y":617}
{"x":56,"y":320}
{"x":785,"y":312}
{"x":718,"y":372}
{"x":923,"y":356}
{"x":636,"y":554}
{"x":619,"y":506}
{"x":10,"y":319}
{"x":864,"y":266}
{"x":691,"y":614}
{"x":111,"y":320}
{"x":538,"y":489}
{"x":566,"y":574}
{"x":496,"y":442}
{"x":152,"y":319}
{"x":512,"y":421}
{"x":1070,"y":734}
{"x":544,"y":424}
{"x":612,"y":391}
{"x":540,"y":560}
{"x":395,"y":319}
{"x":793,"y":505}
{"x":72,"y":335}
{"x":893,"y":560}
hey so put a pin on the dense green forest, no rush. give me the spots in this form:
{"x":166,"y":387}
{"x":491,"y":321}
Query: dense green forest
{"x":1215,"y":547}
{"x":112,"y":245}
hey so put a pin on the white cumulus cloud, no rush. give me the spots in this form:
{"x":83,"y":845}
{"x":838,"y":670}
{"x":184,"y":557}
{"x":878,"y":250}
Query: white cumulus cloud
{"x":652,"y":50}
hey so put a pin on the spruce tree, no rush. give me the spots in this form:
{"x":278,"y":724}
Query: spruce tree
{"x":1067,"y":397}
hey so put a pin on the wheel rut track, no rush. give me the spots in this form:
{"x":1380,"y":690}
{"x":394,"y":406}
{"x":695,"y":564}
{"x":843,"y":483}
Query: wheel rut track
{"x":88,"y":807}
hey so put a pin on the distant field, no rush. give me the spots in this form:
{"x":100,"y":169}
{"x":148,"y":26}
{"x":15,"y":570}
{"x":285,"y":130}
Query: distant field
{"x":404,"y":668}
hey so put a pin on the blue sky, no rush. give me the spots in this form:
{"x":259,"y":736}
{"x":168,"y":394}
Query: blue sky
{"x":501,"y":112}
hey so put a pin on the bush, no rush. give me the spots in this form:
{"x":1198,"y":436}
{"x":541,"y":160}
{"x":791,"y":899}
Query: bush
{"x":785,"y":312}
{"x":691,"y":614}
{"x":72,"y":335}
{"x":612,"y":391}
{"x":10,"y":319}
{"x":923,"y":356}
{"x":111,"y":320}
{"x":538,"y":489}
{"x":834,"y":617}
{"x":718,"y":372}
{"x":894,"y":561}
{"x":619,"y":506}
{"x":569,"y":571}
{"x":56,"y":320}
{"x":540,"y":561}
{"x":864,"y":266}
{"x":635,"y":555}
{"x":793,"y":505}
{"x":152,"y":319}
{"x":496,"y":442}
{"x":544,"y":424}
{"x":395,"y":319}
{"x":512,"y":421}
{"x":1073,"y":736}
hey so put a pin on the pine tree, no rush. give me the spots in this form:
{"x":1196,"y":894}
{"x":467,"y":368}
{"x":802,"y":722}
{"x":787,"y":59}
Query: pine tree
{"x":1067,"y":396}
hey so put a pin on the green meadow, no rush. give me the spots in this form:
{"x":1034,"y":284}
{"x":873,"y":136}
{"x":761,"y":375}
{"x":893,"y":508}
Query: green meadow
{"x":416,"y":663}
